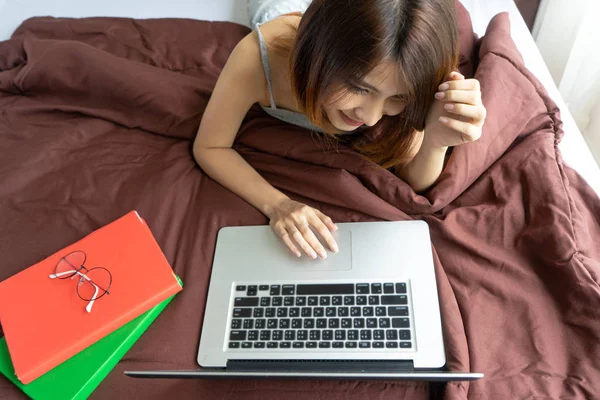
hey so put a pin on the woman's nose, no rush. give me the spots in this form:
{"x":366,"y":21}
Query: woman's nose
{"x":371,"y":113}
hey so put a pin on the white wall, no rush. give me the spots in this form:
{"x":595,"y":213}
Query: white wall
{"x":13,"y":12}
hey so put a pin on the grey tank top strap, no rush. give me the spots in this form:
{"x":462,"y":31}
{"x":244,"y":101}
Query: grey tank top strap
{"x":265,"y":63}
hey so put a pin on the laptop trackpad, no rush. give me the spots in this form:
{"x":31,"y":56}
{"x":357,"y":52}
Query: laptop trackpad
{"x":340,"y":261}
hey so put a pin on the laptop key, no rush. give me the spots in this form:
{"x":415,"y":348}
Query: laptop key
{"x":378,"y":345}
{"x":373,"y":300}
{"x":282,"y":312}
{"x":361,"y":300}
{"x":337,"y":345}
{"x":353,"y":334}
{"x":404,"y":334}
{"x":378,"y":334}
{"x":394,"y":311}
{"x":242,"y":312}
{"x":384,"y":322}
{"x":270,"y":312}
{"x":391,"y":334}
{"x":248,"y":323}
{"x":324,"y":300}
{"x":367,"y":311}
{"x":400,"y":323}
{"x":348,"y":300}
{"x":306,"y":312}
{"x":253,"y":335}
{"x":236,"y":323}
{"x":388,"y":288}
{"x":380,"y":311}
{"x":297,"y":323}
{"x":330,"y":312}
{"x":362,"y":288}
{"x":343,"y":311}
{"x":263,"y":287}
{"x":371,"y":322}
{"x":274,"y":290}
{"x":265,"y":301}
{"x":271,"y":345}
{"x":405,"y":345}
{"x":375,"y":288}
{"x":336,"y":300}
{"x":234,"y":345}
{"x":240,"y":288}
{"x":324,"y":345}
{"x":277,"y":301}
{"x":311,"y":345}
{"x":346,"y":322}
{"x":340,"y":334}
{"x":284,"y":323}
{"x":260,"y":323}
{"x":365,"y":334}
{"x":327,"y":334}
{"x":321,"y":322}
{"x":285,"y":345}
{"x":277,"y":335}
{"x":388,"y":299}
{"x":288,"y":290}
{"x":334,"y":323}
{"x":313,"y":300}
{"x":290,"y":335}
{"x":259,"y":345}
{"x":309,"y":323}
{"x":359,"y":322}
{"x":302,"y":335}
{"x":318,"y":312}
{"x":364,"y":345}
{"x":315,"y":335}
{"x":272,"y":323}
{"x":246,"y":302}
{"x":288,"y":301}
{"x":301,"y":301}
{"x":258,"y":312}
{"x":355,"y":311}
{"x":391,"y":345}
{"x":246,"y":345}
{"x":401,"y":287}
{"x":294,"y":312}
{"x":298,"y":345}
{"x":252,"y":289}
{"x":351,"y":345}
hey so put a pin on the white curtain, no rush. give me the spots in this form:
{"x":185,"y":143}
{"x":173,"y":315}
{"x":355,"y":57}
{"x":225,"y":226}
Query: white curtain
{"x":567,"y":33}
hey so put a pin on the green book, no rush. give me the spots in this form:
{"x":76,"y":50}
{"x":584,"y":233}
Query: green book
{"x":79,"y":376}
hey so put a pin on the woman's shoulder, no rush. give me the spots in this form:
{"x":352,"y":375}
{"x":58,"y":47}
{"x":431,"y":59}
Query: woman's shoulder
{"x":283,"y":27}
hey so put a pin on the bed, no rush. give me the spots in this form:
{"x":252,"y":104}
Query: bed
{"x":97,"y":118}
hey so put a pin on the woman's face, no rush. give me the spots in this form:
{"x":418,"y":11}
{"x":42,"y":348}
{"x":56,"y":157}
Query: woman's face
{"x":355,"y":104}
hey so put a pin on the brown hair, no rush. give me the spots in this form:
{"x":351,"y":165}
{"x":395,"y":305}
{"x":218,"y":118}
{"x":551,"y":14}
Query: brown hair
{"x":343,"y":40}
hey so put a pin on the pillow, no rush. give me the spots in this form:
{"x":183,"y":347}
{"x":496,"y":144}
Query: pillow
{"x":466,"y":41}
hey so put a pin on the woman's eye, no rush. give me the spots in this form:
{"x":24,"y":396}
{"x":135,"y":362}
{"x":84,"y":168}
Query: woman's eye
{"x":358,"y":90}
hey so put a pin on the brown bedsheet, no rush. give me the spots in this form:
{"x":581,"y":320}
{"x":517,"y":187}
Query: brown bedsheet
{"x":97,"y":118}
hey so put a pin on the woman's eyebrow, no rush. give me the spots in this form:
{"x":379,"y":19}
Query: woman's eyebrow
{"x":402,"y":96}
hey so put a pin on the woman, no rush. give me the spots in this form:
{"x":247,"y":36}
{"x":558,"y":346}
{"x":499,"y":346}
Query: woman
{"x":342,"y":67}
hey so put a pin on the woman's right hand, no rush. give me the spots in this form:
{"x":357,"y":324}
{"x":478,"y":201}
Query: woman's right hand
{"x":292,"y":222}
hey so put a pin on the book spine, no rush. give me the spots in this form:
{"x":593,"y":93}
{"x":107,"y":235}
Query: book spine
{"x":87,"y":341}
{"x":111,"y":361}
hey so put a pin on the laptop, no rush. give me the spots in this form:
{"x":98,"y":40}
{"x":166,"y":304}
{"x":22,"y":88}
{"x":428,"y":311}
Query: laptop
{"x":369,"y":311}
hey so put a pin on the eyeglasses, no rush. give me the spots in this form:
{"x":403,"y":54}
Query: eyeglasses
{"x":93,"y":283}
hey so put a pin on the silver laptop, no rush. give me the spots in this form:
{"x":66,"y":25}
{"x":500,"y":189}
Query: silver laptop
{"x":369,"y":311}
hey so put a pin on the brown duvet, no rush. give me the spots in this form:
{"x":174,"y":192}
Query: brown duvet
{"x":97,"y":118}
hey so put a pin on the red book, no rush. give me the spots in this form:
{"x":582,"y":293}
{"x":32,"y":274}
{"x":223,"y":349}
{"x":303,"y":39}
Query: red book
{"x":47,"y":321}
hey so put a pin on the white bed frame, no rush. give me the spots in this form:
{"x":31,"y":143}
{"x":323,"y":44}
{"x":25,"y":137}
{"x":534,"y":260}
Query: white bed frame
{"x":573,"y":147}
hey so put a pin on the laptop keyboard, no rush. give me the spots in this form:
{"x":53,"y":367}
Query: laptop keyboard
{"x":321,"y":316}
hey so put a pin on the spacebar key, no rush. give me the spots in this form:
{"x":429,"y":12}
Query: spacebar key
{"x":333,"y":288}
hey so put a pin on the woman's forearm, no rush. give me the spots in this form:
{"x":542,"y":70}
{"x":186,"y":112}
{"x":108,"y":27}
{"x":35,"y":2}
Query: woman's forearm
{"x":227,"y":167}
{"x":424,"y":169}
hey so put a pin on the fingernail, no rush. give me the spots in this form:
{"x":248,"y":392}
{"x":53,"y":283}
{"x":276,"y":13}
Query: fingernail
{"x":335,"y":228}
{"x":313,"y":255}
{"x":323,"y":255}
{"x":440,"y":95}
{"x":443,"y":119}
{"x":449,"y":106}
{"x":298,"y":255}
{"x":334,"y":249}
{"x":444,"y":86}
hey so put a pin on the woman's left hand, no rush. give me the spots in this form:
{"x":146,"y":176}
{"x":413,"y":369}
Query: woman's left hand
{"x":456,"y":115}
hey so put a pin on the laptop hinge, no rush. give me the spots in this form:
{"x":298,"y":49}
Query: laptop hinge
{"x":320,"y":365}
